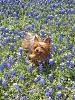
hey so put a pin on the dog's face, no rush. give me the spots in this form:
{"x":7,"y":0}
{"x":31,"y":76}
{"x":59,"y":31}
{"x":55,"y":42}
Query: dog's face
{"x":40,"y":49}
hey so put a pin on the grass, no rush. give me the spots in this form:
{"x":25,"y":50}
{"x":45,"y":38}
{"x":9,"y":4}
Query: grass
{"x":20,"y":67}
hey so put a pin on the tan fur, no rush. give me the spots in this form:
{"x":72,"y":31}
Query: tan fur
{"x":38,"y":49}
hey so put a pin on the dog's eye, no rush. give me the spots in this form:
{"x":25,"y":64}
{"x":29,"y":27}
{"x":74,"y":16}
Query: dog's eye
{"x":35,"y":47}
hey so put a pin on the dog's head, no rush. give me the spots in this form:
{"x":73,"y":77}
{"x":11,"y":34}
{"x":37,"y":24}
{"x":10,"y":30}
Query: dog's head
{"x":40,"y":48}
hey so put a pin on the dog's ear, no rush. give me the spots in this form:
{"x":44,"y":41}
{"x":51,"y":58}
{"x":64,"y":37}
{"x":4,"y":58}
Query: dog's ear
{"x":36,"y":39}
{"x":47,"y":40}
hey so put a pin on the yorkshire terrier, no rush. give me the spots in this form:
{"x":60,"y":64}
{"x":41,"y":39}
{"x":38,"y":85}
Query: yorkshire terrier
{"x":38,"y":48}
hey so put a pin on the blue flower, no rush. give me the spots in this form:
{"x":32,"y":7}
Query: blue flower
{"x":40,"y":68}
{"x":11,"y":47}
{"x":4,"y":83}
{"x":21,"y":76}
{"x":12,"y":73}
{"x":17,"y":87}
{"x":49,"y":98}
{"x":1,"y":67}
{"x":58,"y":95}
{"x":52,"y":6}
{"x":72,"y":63}
{"x":62,"y":65}
{"x":21,"y":33}
{"x":18,"y":56}
{"x":37,"y":78}
{"x":7,"y":55}
{"x":48,"y":91}
{"x":30,"y":68}
{"x":50,"y":77}
{"x":47,"y":94}
{"x":58,"y":86}
{"x":20,"y":49}
{"x":14,"y":95}
{"x":51,"y":62}
{"x":60,"y":37}
{"x":0,"y":80}
{"x":70,"y":46}
{"x":2,"y":28}
{"x":42,"y":80}
{"x":23,"y":98}
{"x":73,"y":97}
{"x":43,"y":34}
{"x":6,"y":30}
{"x":73,"y":86}
{"x":6,"y":75}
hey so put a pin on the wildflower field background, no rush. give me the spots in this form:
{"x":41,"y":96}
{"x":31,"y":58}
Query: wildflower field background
{"x":21,"y":80}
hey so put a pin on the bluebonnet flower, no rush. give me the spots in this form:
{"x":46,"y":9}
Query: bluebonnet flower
{"x":27,"y":4}
{"x":63,"y":79}
{"x":49,"y":98}
{"x":4,"y":83}
{"x":73,"y":86}
{"x":43,"y":34}
{"x":42,"y":80}
{"x":37,"y":78}
{"x":30,"y":68}
{"x":52,"y":6}
{"x":17,"y":87}
{"x":7,"y":55}
{"x":6,"y":30}
{"x":0,"y":80}
{"x":73,"y":98}
{"x":20,"y":49}
{"x":6,"y":75}
{"x":23,"y":98}
{"x":21,"y":76}
{"x":2,"y":28}
{"x":6,"y":40}
{"x":14,"y":39}
{"x":1,"y":67}
{"x":48,"y":91}
{"x":73,"y":50}
{"x":40,"y":67}
{"x":31,"y":12}
{"x":8,"y":64}
{"x":31,"y":27}
{"x":70,"y":46}
{"x":58,"y":86}
{"x":14,"y":95}
{"x":60,"y":37}
{"x":21,"y":33}
{"x":50,"y":77}
{"x":72,"y":63}
{"x":18,"y":56}
{"x":58,"y":95}
{"x":4,"y":63}
{"x":51,"y":62}
{"x":49,"y":17}
{"x":32,"y":91}
{"x":67,"y":63}
{"x":62,"y":49}
{"x":12,"y":73}
{"x":11,"y":47}
{"x":41,"y":26}
{"x":74,"y":20}
{"x":54,"y":47}
{"x":62,"y":66}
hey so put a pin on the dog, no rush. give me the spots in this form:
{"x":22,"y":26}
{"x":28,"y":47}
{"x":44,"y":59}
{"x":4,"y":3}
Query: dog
{"x":37,"y":48}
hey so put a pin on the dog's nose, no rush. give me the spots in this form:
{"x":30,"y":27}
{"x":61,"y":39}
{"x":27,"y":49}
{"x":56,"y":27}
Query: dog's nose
{"x":37,"y":50}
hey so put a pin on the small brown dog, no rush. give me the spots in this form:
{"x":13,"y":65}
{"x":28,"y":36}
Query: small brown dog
{"x":38,"y":49}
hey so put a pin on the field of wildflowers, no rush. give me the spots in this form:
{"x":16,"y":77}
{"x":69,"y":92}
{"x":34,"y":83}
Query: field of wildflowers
{"x":21,"y":80}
